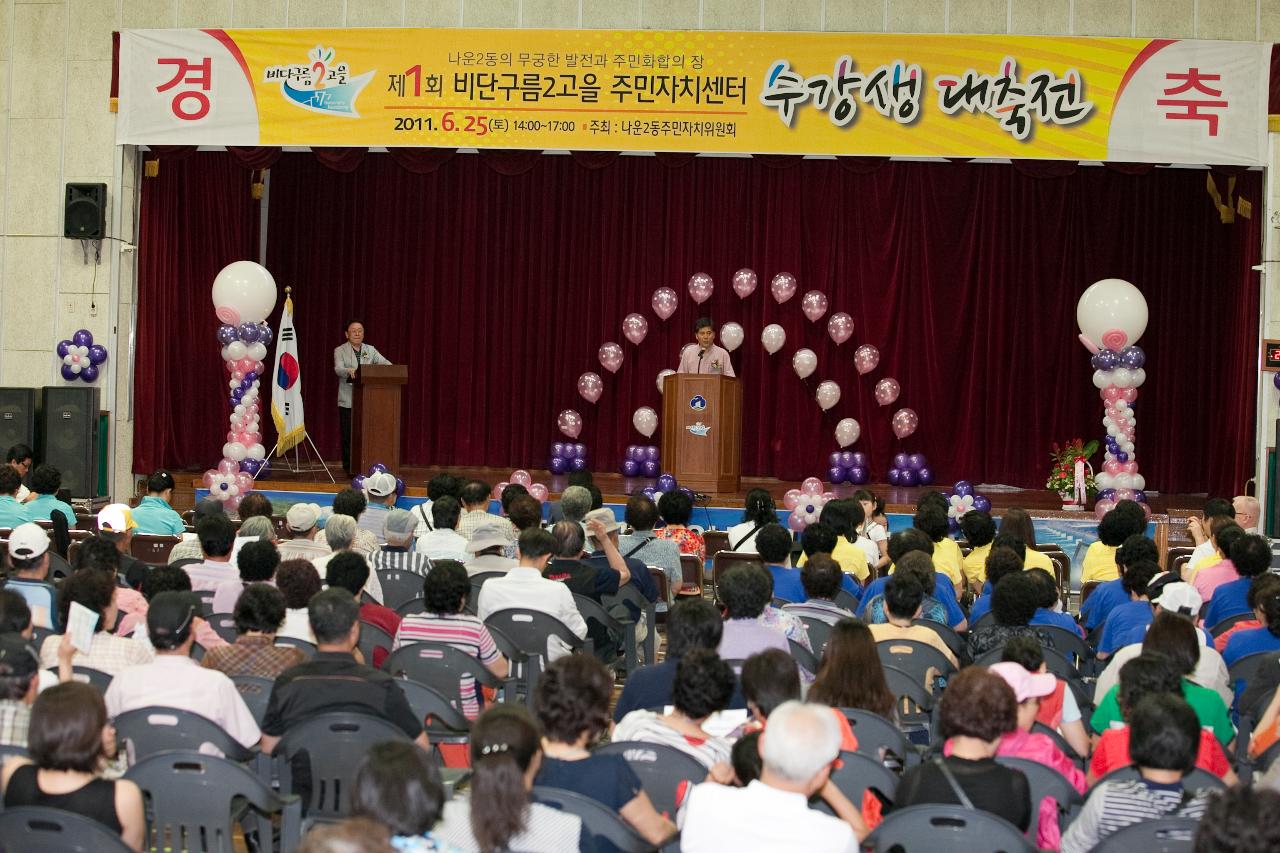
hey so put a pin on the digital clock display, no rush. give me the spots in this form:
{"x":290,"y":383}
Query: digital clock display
{"x":1271,"y":356}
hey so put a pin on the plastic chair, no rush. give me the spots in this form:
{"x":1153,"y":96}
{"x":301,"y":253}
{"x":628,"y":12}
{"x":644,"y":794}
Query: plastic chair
{"x":1061,"y":743}
{"x":153,"y":548}
{"x":224,"y":624}
{"x":333,"y":744}
{"x":399,"y":587}
{"x":442,"y":667}
{"x":194,"y":801}
{"x":444,"y":723}
{"x":256,"y":693}
{"x":1157,"y":835}
{"x":412,"y":608}
{"x":478,"y":580}
{"x":7,"y":751}
{"x":36,"y":829}
{"x":939,"y":827}
{"x":985,"y":619}
{"x":206,"y":602}
{"x":1195,"y":780}
{"x":648,"y":612}
{"x":1087,"y":590}
{"x":307,"y":649}
{"x":691,"y":571}
{"x":804,"y":658}
{"x":717,"y":541}
{"x":1046,"y":782}
{"x":661,"y":769}
{"x":855,"y":773}
{"x":528,"y":631}
{"x":916,"y":658}
{"x":846,"y":599}
{"x":875,"y":733}
{"x":599,"y":821}
{"x":371,"y":638}
{"x":948,"y":636}
{"x":93,"y":677}
{"x":662,"y":584}
{"x":819,"y":632}
{"x":1054,"y":660}
{"x":1246,"y":667}
{"x":147,"y":731}
{"x":1225,"y":625}
{"x":914,"y":702}
{"x":629,"y":660}
{"x":1069,"y":644}
{"x":726,"y":560}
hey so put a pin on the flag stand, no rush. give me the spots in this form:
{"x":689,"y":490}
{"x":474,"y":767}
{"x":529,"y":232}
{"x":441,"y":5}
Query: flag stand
{"x":286,"y":380}
{"x":297,"y":465}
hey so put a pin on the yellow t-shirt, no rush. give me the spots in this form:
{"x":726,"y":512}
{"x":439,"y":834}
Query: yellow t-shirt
{"x":852,"y":559}
{"x":1100,"y":563}
{"x":949,"y":559}
{"x":1038,"y":560}
{"x":1211,"y":560}
{"x":975,"y":566}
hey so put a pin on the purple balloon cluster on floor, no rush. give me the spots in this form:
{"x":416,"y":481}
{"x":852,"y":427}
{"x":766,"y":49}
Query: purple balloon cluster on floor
{"x":357,"y":482}
{"x":910,"y":469}
{"x":848,"y":466}
{"x":641,"y":460}
{"x":666,"y":483}
{"x":567,"y":456}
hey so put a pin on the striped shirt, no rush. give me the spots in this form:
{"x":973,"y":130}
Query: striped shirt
{"x":15,"y":717}
{"x":465,"y":633}
{"x":1114,"y":805}
{"x":400,"y":561}
{"x":649,"y":727}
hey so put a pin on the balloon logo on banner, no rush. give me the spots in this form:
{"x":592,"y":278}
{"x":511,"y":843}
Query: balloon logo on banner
{"x":244,"y":294}
{"x":81,"y":357}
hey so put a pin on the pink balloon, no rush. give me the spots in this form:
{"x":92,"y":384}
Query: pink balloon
{"x":237,"y":377}
{"x":783,"y":287}
{"x":634,"y":328}
{"x":233,"y":503}
{"x":521,"y":477}
{"x":840,"y":327}
{"x":1131,"y":467}
{"x":811,"y":486}
{"x":744,"y":283}
{"x":1124,"y":494}
{"x":887,"y":390}
{"x":570,"y":423}
{"x":792,"y":498}
{"x":905,"y":422}
{"x":664,"y":302}
{"x":866,"y":358}
{"x":497,"y":490}
{"x":700,"y":287}
{"x":1128,"y":394}
{"x":797,"y":520}
{"x":207,"y":479}
{"x":1112,"y":467}
{"x":610,"y":355}
{"x":1103,"y":507}
{"x":228,"y":467}
{"x":1111,"y":393}
{"x":538,"y":491}
{"x":590,"y":386}
{"x":828,"y":496}
{"x":814,"y":305}
{"x":244,"y":482}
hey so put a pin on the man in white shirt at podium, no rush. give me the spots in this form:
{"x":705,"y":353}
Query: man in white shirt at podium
{"x":705,"y":356}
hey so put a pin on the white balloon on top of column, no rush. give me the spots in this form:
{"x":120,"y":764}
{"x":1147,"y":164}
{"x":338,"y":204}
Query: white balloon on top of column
{"x":1112,"y":315}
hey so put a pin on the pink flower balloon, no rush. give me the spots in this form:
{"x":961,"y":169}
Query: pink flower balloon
{"x":570,"y":423}
{"x":887,"y":390}
{"x":811,"y":486}
{"x":521,"y":477}
{"x":783,"y":287}
{"x":634,"y":328}
{"x":814,"y":305}
{"x":840,"y":327}
{"x":664,"y":302}
{"x":792,"y":498}
{"x":611,"y":356}
{"x":905,"y":422}
{"x":865,"y":358}
{"x":590,"y":386}
{"x":744,"y":283}
{"x":700,"y":287}
{"x":538,"y":492}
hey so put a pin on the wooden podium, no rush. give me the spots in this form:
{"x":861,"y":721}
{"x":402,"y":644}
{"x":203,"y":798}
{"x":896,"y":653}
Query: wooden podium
{"x":702,"y":431}
{"x":375,"y":416}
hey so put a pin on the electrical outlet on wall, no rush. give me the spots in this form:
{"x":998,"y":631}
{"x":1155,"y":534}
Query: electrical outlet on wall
{"x":69,"y":306}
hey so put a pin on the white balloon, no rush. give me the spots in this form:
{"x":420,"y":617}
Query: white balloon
{"x":239,"y":409}
{"x":1123,"y":481}
{"x":257,"y":451}
{"x":1112,"y":313}
{"x":645,"y":420}
{"x":773,"y":337}
{"x":232,"y":490}
{"x":226,"y":354}
{"x":234,"y":451}
{"x":828,"y":394}
{"x":243,"y":292}
{"x":257,"y":352}
{"x":804,"y":362}
{"x":663,"y":374}
{"x":847,"y":432}
{"x":1108,"y":423}
{"x":1101,"y":379}
{"x":1127,"y":446}
{"x":1102,"y":480}
{"x":1139,"y":481}
{"x":232,"y":384}
{"x":731,"y":335}
{"x":1139,"y":376}
{"x":236,"y":350}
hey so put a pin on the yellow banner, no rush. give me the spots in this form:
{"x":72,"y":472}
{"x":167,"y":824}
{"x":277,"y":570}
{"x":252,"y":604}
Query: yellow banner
{"x":747,"y":92}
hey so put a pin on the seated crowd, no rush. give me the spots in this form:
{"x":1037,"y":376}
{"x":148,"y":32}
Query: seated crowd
{"x":802,"y":704}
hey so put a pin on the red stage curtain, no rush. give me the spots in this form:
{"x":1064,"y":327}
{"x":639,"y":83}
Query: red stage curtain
{"x":497,"y":289}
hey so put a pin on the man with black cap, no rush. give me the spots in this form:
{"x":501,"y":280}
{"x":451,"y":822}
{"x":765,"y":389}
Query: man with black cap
{"x":174,"y":679}
{"x":19,"y":668}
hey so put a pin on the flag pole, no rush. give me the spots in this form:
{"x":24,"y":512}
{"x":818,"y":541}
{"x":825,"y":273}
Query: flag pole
{"x":296,"y":466}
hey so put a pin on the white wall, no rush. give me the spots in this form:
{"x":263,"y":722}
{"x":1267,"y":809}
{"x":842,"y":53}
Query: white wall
{"x":55,"y":127}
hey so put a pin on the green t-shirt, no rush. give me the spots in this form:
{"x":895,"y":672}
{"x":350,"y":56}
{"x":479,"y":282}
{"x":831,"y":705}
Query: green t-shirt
{"x":1207,"y":704}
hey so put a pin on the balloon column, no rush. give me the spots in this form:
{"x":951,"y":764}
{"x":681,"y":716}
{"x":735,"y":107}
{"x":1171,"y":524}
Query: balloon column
{"x":81,"y":357}
{"x":1112,"y":315}
{"x":848,"y":466}
{"x":805,"y":503}
{"x":910,"y":469}
{"x":567,"y":456}
{"x":244,"y":294}
{"x":640,"y":460}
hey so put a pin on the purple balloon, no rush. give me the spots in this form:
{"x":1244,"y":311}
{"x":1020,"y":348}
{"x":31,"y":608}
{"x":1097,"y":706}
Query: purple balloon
{"x":249,"y":465}
{"x":895,"y":476}
{"x":666,"y":483}
{"x":82,"y":338}
{"x":1140,"y":496}
{"x":916,"y":461}
{"x":909,"y":477}
{"x":900,"y":460}
{"x":834,"y":459}
{"x":859,"y":459}
{"x":858,"y":475}
{"x":64,"y":347}
{"x":1122,"y":456}
{"x":1105,"y":359}
{"x":926,"y":476}
{"x":1133,"y":357}
{"x":399,"y":487}
{"x":953,"y":525}
{"x":357,"y":482}
{"x":264,"y":468}
{"x":650,"y":492}
{"x":636,"y":452}
{"x":1275,"y":379}
{"x":249,"y":333}
{"x":577,"y":463}
{"x":68,"y":374}
{"x":835,"y":475}
{"x":847,"y":459}
{"x":97,"y":354}
{"x":1107,"y":495}
{"x":227,"y":333}
{"x":558,"y":465}
{"x":630,"y":468}
{"x":650,"y":468}
{"x":981,"y":503}
{"x":266,"y":338}
{"x":89,"y":373}
{"x":964,"y":487}
{"x":557,"y":449}
{"x":236,"y":396}
{"x":651,"y":453}
{"x":251,"y":377}
{"x":569,"y":451}
{"x":581,"y":450}
{"x":378,"y":468}
{"x":686,"y":491}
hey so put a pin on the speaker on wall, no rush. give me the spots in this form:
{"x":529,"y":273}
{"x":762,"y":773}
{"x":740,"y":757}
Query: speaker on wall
{"x":17,"y":418}
{"x":69,"y":436}
{"x":85,"y":212}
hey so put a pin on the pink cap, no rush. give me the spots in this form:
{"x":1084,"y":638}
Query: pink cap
{"x":1026,"y":685}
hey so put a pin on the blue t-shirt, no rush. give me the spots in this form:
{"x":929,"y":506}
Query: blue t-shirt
{"x":787,"y":585}
{"x":876,"y":613}
{"x":1245,"y":643}
{"x":1126,"y":624}
{"x":1104,"y":598}
{"x":1230,"y":599}
{"x":981,"y":607}
{"x":650,"y":687}
{"x":607,"y":779}
{"x":42,"y":508}
{"x":1044,"y":616}
{"x":153,"y":515}
{"x":944,"y":591}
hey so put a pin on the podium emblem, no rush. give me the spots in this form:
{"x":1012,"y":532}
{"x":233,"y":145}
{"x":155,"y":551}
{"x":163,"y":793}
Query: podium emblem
{"x":698,"y":403}
{"x":699,"y":429}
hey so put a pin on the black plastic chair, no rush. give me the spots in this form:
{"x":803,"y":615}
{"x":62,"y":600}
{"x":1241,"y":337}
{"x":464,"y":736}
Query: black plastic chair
{"x":371,"y":638}
{"x":628,"y":594}
{"x":206,"y":602}
{"x":804,"y":658}
{"x":949,"y":637}
{"x":528,"y":631}
{"x":914,"y":702}
{"x":846,"y":599}
{"x":1158,"y":835}
{"x":194,"y":802}
{"x":629,"y":660}
{"x":93,"y":677}
{"x":256,"y":693}
{"x":8,"y":751}
{"x":333,"y":745}
{"x":1046,"y":782}
{"x":877,"y":735}
{"x":985,"y":619}
{"x":412,"y":608}
{"x":1246,"y":667}
{"x":854,"y":774}
{"x":938,"y":827}
{"x":519,"y":670}
{"x":224,"y":624}
{"x":819,"y":631}
{"x":1061,"y":743}
{"x":36,"y":829}
{"x":478,"y":580}
{"x":661,"y":769}
{"x":444,"y":723}
{"x":600,"y":822}
{"x":1069,"y":644}
{"x":916,"y":658}
{"x":1225,"y":625}
{"x":1195,"y":780}
{"x":1055,"y":661}
{"x":307,"y":649}
{"x":147,"y":731}
{"x":442,"y":667}
{"x":399,"y":587}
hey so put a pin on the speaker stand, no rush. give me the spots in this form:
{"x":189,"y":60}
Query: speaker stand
{"x":314,"y":462}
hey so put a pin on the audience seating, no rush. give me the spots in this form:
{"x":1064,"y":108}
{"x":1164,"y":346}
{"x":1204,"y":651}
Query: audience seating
{"x":726,"y":560}
{"x":916,"y":658}
{"x":1198,"y":778}
{"x":1046,"y":782}
{"x":599,"y":821}
{"x":444,"y":722}
{"x":1087,"y":590}
{"x":915,"y":702}
{"x":947,"y":634}
{"x":153,"y":548}
{"x":807,"y":660}
{"x":937,"y":827}
{"x":399,"y":587}
{"x":477,"y":581}
{"x":441,"y":667}
{"x":691,"y":571}
{"x":416,"y":606}
{"x":206,"y":602}
{"x":661,"y":768}
{"x":38,"y":636}
{"x":845,"y":599}
{"x":1061,"y":743}
{"x":307,"y":649}
{"x":224,"y":624}
{"x":875,"y":733}
{"x":256,"y":693}
{"x":93,"y":677}
{"x":853,"y":774}
{"x":371,"y":638}
{"x":625,"y":629}
{"x":819,"y":632}
{"x":520,"y":667}
{"x":1178,"y":559}
{"x":147,"y":731}
{"x":649,"y":612}
{"x":528,"y":631}
{"x":8,"y":751}
{"x":36,"y":829}
{"x":194,"y":802}
{"x":1158,"y":835}
{"x":662,"y":584}
{"x":1068,"y":643}
{"x":1225,"y":625}
{"x":717,"y":541}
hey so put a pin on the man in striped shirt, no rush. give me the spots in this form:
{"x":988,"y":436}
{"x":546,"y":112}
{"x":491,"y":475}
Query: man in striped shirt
{"x":398,"y":553}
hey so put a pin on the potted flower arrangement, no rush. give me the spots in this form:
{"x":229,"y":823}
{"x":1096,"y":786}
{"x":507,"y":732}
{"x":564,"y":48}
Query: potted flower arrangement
{"x":1062,"y":475}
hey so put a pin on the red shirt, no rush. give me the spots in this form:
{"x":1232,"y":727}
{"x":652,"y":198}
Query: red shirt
{"x":1112,"y":753}
{"x":384,"y":618}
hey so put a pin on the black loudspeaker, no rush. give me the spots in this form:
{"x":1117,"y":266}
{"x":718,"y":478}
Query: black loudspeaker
{"x":85,"y":213}
{"x":17,"y":417}
{"x":69,"y":436}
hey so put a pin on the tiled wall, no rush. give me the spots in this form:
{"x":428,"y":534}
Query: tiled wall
{"x":55,"y":63}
